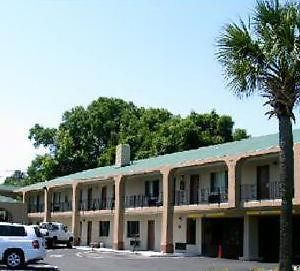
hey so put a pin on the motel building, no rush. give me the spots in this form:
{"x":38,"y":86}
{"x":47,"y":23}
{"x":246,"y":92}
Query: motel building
{"x":216,"y":201}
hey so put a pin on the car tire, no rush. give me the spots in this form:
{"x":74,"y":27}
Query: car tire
{"x":14,"y":259}
{"x":69,"y":244}
{"x":54,"y":241}
{"x":49,"y":243}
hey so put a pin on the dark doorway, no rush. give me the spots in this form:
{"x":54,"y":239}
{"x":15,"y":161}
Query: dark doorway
{"x":38,"y":203}
{"x":90,"y":199}
{"x":222,"y":237}
{"x":194,"y":186}
{"x":263,"y":182}
{"x":191,"y":231}
{"x":151,"y":235}
{"x":104,"y":197}
{"x":268,"y":238}
{"x":296,"y":239}
{"x":89,"y":232}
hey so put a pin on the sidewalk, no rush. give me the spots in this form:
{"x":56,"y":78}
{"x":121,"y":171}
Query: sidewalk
{"x":141,"y":253}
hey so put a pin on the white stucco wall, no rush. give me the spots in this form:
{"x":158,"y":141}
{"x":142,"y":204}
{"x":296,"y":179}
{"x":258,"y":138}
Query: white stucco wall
{"x":136,"y":185}
{"x":249,"y":172}
{"x":34,"y":221}
{"x":67,"y":192}
{"x":204,"y":177}
{"x":180,"y":232}
{"x":33,"y":197}
{"x":107,"y":241}
{"x":143,"y":231}
{"x":97,"y":189}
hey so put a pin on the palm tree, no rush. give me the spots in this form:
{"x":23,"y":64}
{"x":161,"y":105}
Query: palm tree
{"x":262,"y":57}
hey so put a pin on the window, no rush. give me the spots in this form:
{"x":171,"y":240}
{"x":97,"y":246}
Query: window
{"x":80,"y":196}
{"x":152,"y":188}
{"x":3,"y":215}
{"x":219,"y":181}
{"x":12,"y":231}
{"x":133,"y":228}
{"x":104,"y":228}
{"x":182,"y":185}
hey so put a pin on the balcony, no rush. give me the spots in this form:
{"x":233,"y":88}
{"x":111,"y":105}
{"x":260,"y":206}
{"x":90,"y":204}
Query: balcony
{"x":35,"y":208}
{"x":135,"y":201}
{"x":62,"y":206}
{"x":202,"y":196}
{"x":251,"y":192}
{"x":97,"y":204}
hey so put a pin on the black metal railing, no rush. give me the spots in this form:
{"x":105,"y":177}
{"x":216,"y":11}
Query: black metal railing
{"x":35,"y":208}
{"x":201,"y":196}
{"x":61,"y":206}
{"x":97,"y":204}
{"x":271,"y":190}
{"x":134,"y":201}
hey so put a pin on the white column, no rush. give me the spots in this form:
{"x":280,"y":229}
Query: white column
{"x":250,"y":244}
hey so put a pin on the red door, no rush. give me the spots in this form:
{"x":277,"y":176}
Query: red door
{"x":151,"y":235}
{"x":263,"y":182}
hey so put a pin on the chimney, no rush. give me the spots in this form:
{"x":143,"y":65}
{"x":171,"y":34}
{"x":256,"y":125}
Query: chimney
{"x":122,"y":155}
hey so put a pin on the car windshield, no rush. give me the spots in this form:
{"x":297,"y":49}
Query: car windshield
{"x":50,"y":226}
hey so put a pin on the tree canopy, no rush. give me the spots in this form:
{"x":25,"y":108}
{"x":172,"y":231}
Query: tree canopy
{"x":86,"y":137}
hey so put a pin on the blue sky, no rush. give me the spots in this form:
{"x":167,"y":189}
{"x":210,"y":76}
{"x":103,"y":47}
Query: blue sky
{"x":58,"y":54}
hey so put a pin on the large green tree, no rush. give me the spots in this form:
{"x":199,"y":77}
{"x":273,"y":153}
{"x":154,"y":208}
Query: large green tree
{"x":86,"y":137}
{"x":262,"y":56}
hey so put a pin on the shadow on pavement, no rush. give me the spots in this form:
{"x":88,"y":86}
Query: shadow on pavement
{"x":59,"y":247}
{"x":35,"y":267}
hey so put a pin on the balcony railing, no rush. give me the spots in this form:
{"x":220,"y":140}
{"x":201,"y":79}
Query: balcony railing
{"x":61,"y":206}
{"x":134,"y":201}
{"x":201,"y":196}
{"x":35,"y":208}
{"x":97,"y":204}
{"x":271,"y":190}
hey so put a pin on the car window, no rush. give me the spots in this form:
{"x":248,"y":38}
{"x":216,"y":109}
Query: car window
{"x":37,"y":232}
{"x":12,"y":230}
{"x":55,"y":228}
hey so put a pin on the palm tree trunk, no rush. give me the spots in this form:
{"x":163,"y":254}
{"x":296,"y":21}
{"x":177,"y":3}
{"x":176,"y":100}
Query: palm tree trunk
{"x":287,"y":189}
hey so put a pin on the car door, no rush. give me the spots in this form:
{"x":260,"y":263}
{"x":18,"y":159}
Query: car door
{"x":63,"y":232}
{"x":3,"y":239}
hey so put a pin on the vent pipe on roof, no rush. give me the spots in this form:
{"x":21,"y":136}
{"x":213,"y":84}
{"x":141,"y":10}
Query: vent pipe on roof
{"x":122,"y":155}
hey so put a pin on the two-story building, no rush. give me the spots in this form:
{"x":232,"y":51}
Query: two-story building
{"x":12,"y":209}
{"x":221,"y":200}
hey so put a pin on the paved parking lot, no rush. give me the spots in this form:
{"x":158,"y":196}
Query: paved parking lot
{"x":78,"y":260}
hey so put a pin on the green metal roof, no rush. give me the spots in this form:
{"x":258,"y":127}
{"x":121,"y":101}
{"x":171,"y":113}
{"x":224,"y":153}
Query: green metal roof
{"x":171,"y":160}
{"x":8,"y":188}
{"x":4,"y":199}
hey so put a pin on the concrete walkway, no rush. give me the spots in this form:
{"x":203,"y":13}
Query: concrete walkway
{"x":141,"y":253}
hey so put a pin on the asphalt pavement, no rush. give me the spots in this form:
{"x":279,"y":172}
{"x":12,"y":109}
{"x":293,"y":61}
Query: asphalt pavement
{"x":78,"y":260}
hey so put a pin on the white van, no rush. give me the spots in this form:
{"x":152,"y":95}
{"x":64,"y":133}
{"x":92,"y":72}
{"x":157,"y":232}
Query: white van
{"x":20,"y":244}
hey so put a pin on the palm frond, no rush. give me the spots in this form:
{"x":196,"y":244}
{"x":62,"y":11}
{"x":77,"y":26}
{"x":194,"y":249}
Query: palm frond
{"x":265,"y":58}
